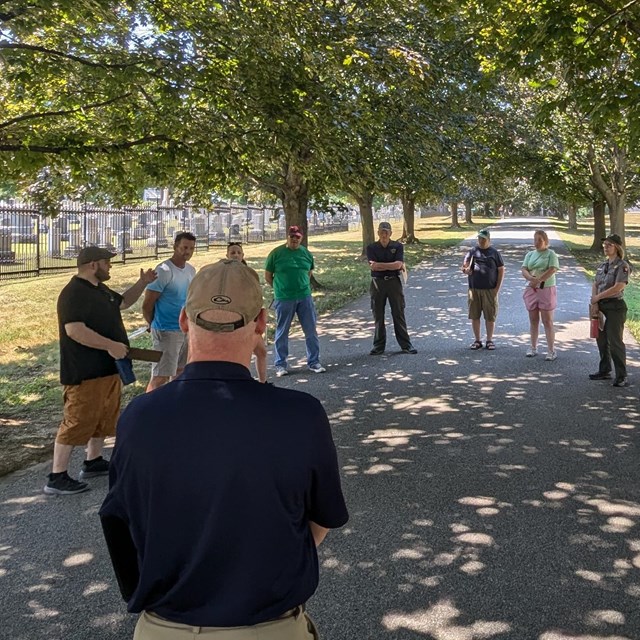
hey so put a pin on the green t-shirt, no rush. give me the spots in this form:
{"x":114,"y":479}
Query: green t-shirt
{"x":290,"y":268}
{"x":537,"y":262}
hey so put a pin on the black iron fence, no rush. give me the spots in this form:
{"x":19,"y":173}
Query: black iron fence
{"x":31,"y":244}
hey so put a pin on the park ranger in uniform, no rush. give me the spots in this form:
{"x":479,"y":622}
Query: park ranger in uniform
{"x":612,"y":277}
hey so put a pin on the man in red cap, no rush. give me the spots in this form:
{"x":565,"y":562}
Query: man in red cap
{"x":288,"y":270}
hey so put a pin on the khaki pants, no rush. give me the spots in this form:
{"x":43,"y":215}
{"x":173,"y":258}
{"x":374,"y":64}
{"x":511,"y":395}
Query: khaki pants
{"x":295,"y":627}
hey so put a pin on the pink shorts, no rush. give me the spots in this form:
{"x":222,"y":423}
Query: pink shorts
{"x":544,"y":299}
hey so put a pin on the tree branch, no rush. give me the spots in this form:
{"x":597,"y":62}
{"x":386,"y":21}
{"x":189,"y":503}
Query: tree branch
{"x":66,"y":112}
{"x":612,"y":14}
{"x":69,"y":56}
{"x":102,"y":148}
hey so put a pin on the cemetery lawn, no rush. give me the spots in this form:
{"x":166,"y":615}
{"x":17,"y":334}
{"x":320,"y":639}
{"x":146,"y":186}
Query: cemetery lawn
{"x":30,"y":391}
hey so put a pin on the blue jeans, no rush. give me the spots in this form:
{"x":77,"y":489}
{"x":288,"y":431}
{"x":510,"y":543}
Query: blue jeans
{"x":306,"y":312}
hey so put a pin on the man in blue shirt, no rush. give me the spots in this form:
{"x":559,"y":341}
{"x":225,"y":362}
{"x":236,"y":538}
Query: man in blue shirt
{"x":221,"y":488}
{"x":163,"y":301}
{"x":485,"y":267}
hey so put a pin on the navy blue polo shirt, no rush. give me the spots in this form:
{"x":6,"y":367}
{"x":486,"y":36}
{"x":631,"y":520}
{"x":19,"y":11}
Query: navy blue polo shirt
{"x":213,"y":482}
{"x":486,"y":263}
{"x":392,"y":252}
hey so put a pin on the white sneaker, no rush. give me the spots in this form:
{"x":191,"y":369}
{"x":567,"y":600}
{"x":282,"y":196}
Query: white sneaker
{"x":532,"y":352}
{"x":281,"y":371}
{"x":551,"y":356}
{"x":317,"y":368}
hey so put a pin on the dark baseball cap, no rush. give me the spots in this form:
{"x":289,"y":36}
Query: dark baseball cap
{"x":93,"y":254}
{"x":484,"y":233}
{"x":613,"y":237}
{"x":384,"y":226}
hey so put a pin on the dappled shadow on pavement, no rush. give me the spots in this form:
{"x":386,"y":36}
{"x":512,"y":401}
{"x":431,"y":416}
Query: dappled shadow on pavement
{"x":492,"y":495}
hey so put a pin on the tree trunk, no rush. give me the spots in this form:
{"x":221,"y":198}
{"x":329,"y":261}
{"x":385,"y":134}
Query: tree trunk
{"x":468,"y":209}
{"x":615,"y":194}
{"x":365,"y":204}
{"x":572,"y":210}
{"x":295,"y":198}
{"x":409,"y":213}
{"x":487,"y":210}
{"x":454,"y":214}
{"x":599,"y":229}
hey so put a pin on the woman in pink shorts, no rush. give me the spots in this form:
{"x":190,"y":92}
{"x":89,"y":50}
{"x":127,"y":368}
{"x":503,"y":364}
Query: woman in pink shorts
{"x":540,"y":298}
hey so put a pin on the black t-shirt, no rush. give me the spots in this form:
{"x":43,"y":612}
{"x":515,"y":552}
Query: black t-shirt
{"x":213,"y":481}
{"x":486,"y":263}
{"x":391,"y":253}
{"x":99,"y":308}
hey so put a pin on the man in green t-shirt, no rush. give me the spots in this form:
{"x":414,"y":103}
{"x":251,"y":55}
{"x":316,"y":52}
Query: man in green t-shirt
{"x":288,"y":270}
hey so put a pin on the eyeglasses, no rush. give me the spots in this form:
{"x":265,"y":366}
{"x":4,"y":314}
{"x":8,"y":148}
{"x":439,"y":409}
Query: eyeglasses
{"x":234,"y":244}
{"x":295,"y":236}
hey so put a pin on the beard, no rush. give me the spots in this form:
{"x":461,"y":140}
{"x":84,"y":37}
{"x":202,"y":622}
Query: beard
{"x":102,"y":274}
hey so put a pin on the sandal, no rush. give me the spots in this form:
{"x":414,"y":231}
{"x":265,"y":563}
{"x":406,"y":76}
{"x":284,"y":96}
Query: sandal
{"x":476,"y":345}
{"x":490,"y":345}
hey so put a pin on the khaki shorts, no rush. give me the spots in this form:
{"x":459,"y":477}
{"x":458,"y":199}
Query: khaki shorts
{"x":483,"y":302}
{"x":295,"y":627}
{"x":91,"y":410}
{"x":175,"y":350}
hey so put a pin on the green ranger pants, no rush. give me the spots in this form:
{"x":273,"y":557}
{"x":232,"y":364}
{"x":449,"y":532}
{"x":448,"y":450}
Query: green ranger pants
{"x":610,"y":342}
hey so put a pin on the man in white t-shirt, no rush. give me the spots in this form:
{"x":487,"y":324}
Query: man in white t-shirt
{"x":163,"y":301}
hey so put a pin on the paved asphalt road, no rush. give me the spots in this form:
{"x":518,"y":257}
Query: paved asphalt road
{"x":491,"y":495}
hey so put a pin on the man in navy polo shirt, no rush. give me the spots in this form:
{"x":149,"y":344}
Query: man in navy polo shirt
{"x":221,"y":488}
{"x":386,"y":259}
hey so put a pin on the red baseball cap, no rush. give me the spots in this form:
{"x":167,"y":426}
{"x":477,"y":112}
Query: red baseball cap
{"x":295,"y":231}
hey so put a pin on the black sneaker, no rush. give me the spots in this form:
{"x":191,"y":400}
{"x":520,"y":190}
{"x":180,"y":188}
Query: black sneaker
{"x":601,"y":375}
{"x":621,"y":382}
{"x":410,"y":350}
{"x":376,"y":352}
{"x":93,"y":468}
{"x":63,"y":485}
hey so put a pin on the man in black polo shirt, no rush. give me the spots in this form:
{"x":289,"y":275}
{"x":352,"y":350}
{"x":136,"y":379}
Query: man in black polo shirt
{"x":221,"y":488}
{"x":386,"y":258}
{"x":92,"y":337}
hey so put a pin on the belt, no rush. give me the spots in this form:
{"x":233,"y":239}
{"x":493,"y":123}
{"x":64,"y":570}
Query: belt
{"x":291,"y":613}
{"x":386,"y":277}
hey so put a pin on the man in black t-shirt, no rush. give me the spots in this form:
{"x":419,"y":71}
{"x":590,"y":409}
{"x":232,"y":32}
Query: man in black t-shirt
{"x":92,"y":338}
{"x":386,"y":259}
{"x":221,"y":487}
{"x":485,"y":267}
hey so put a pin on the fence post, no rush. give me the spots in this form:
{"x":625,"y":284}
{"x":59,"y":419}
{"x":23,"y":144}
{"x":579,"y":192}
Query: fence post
{"x":38,"y":243}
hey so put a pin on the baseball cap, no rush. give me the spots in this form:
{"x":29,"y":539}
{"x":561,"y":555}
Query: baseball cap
{"x":384,"y":226}
{"x":227,"y":285}
{"x":484,"y":233}
{"x":93,"y":254}
{"x":295,"y":231}
{"x":613,"y":237}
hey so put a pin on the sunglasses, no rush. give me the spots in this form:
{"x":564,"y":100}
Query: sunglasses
{"x":293,"y":235}
{"x":234,"y":244}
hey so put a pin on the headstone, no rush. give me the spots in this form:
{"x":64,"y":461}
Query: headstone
{"x":6,"y":255}
{"x":54,"y":238}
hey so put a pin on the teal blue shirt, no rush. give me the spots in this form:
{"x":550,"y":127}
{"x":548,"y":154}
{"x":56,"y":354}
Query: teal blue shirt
{"x":537,"y":262}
